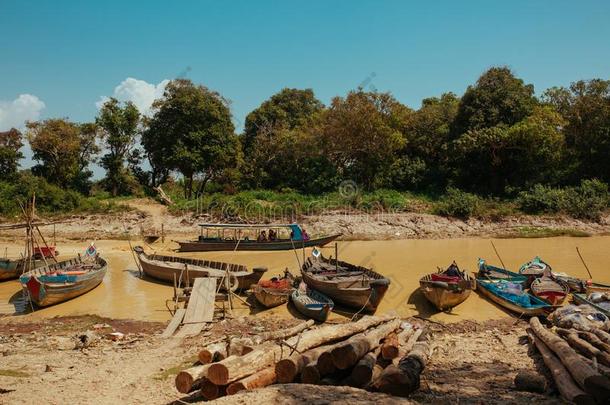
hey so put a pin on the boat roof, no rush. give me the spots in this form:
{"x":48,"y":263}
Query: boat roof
{"x":246,"y":226}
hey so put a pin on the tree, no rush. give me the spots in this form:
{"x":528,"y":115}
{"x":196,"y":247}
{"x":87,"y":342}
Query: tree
{"x":489,"y":160}
{"x":191,"y":131}
{"x":119,"y":126}
{"x":586,"y":107}
{"x":361,"y":135}
{"x":10,"y":154}
{"x":63,"y":150}
{"x":273,"y":136}
{"x":498,"y":98}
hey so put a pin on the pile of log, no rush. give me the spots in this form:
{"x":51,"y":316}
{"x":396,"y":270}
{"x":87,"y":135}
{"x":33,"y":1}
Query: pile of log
{"x":578,"y":359}
{"x":377,"y":353}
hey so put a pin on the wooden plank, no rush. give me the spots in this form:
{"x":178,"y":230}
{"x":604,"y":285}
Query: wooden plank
{"x":200,"y":307}
{"x":174,"y":323}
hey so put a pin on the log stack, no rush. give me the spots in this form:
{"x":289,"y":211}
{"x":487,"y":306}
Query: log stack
{"x":359,"y":354}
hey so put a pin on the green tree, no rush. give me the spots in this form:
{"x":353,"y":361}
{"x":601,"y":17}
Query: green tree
{"x":10,"y":152}
{"x":361,"y":135}
{"x":63,"y":150}
{"x":586,"y":107}
{"x":498,"y":98}
{"x":489,"y":160}
{"x":191,"y":131}
{"x":119,"y":127}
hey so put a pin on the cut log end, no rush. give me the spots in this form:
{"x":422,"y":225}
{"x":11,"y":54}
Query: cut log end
{"x":235,"y":388}
{"x":310,"y":375}
{"x":205,"y":356}
{"x":325,"y":364}
{"x":361,"y":375}
{"x":286,"y":371}
{"x":218,"y":374}
{"x":209,"y":390}
{"x":184,"y":382}
{"x":344,"y":357}
{"x":530,"y":382}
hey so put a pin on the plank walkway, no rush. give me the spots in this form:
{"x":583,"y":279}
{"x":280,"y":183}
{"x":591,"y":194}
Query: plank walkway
{"x":174,"y":323}
{"x":200,"y":307}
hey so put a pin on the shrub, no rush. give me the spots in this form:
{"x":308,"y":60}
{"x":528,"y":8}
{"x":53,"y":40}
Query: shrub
{"x":458,"y":203}
{"x":541,"y":199}
{"x":587,"y":201}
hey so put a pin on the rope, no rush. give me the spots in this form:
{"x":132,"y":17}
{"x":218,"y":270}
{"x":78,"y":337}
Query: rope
{"x":364,"y":306}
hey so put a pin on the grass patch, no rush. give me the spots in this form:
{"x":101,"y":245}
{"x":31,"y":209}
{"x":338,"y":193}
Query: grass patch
{"x":537,"y":232}
{"x":173,"y":371}
{"x":13,"y":373}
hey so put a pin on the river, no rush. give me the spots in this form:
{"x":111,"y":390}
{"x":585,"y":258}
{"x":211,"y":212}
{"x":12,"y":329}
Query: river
{"x":124,"y":295}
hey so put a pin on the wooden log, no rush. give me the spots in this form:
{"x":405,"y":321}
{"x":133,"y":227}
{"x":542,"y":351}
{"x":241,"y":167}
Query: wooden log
{"x":240,"y":346}
{"x":584,"y":347}
{"x":259,"y":379}
{"x":213,"y":352}
{"x":603,"y":370}
{"x":362,"y":373}
{"x":348,"y":354}
{"x":568,"y":389}
{"x":211,"y":391}
{"x":402,"y":379}
{"x":287,"y":369}
{"x":311,"y":374}
{"x":389,"y":347}
{"x":284,"y":333}
{"x":594,"y":340}
{"x":234,"y":368}
{"x":530,"y":382}
{"x":588,"y":379}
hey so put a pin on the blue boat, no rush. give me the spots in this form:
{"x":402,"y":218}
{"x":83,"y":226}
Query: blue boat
{"x":487,"y":271}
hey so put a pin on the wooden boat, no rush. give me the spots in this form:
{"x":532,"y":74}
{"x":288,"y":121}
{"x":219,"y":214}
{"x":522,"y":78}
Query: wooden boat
{"x":274,"y":292}
{"x":550,"y":289}
{"x":585,"y":299}
{"x":533,"y":269}
{"x":522,"y":304}
{"x":170,"y":268}
{"x":445,"y":291}
{"x":239,"y":239}
{"x":487,"y":271}
{"x":353,"y":286}
{"x":311,"y":303}
{"x":64,"y":280}
{"x":12,"y":268}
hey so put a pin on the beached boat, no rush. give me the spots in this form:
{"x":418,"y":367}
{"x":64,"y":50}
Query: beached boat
{"x":487,"y":271}
{"x":550,"y":289}
{"x":64,"y":280}
{"x":12,"y":268}
{"x":311,"y":303}
{"x":274,"y":292}
{"x":599,"y":301}
{"x":510,"y":295}
{"x":446,"y":288}
{"x":533,"y":269}
{"x":249,"y":237}
{"x":170,"y":268}
{"x":353,"y":286}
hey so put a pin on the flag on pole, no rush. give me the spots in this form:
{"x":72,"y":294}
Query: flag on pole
{"x":91,"y":250}
{"x":316,"y":253}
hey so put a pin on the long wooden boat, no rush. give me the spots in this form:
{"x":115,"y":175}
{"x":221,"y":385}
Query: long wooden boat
{"x":274,"y":292}
{"x":345,"y":283}
{"x":239,"y":239}
{"x":170,"y":268}
{"x":523,"y":304}
{"x":64,"y":280}
{"x":445,"y":291}
{"x":487,"y":271}
{"x":583,"y":299}
{"x":533,"y":269}
{"x":549,"y":289}
{"x":12,"y":268}
{"x":311,"y":303}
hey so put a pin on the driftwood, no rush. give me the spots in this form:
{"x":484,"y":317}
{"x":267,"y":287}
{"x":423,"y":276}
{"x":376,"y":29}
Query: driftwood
{"x":259,"y":379}
{"x":212,"y":353}
{"x":234,"y":368}
{"x":586,"y":377}
{"x":402,"y":379}
{"x":348,"y":354}
{"x":568,"y":389}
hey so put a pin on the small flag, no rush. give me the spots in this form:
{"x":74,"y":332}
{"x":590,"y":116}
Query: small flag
{"x":91,"y":250}
{"x":316,"y":253}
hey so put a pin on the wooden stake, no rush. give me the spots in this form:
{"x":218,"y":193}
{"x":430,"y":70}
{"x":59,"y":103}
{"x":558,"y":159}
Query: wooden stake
{"x":583,"y":262}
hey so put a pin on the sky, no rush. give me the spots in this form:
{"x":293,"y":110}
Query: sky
{"x":63,"y":58}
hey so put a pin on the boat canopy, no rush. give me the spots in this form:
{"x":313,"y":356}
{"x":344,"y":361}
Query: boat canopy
{"x":297,"y":234}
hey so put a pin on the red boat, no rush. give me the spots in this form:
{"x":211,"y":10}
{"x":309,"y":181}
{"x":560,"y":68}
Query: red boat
{"x":47,"y":252}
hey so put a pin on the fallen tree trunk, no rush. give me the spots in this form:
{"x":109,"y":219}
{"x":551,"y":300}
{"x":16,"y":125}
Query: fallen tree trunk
{"x":563,"y":380}
{"x":213,"y":352}
{"x":234,"y":368}
{"x":587,"y":378}
{"x":402,"y":379}
{"x":348,"y":354}
{"x":259,"y":379}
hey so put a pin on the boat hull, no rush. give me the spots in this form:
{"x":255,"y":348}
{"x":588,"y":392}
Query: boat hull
{"x":214,"y":246}
{"x":511,"y":306}
{"x":271,"y":297}
{"x":445,"y":296}
{"x":12,"y":269}
{"x":312,"y":304}
{"x":552,"y":296}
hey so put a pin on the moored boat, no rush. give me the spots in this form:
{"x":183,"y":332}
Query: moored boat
{"x":274,"y":292}
{"x":512,"y":297}
{"x":447,"y":288}
{"x":533,"y":269}
{"x":487,"y":271}
{"x":550,"y":289}
{"x":170,"y":268}
{"x":12,"y":268}
{"x":598,"y":300}
{"x":311,"y":303}
{"x":63,"y":280}
{"x":250,"y":237}
{"x":354,"y":286}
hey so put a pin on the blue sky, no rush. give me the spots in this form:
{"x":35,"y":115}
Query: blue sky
{"x":68,"y":54}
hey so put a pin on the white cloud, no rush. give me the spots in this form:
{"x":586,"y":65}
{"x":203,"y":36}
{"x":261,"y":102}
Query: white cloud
{"x":141,"y":93}
{"x":15,"y":113}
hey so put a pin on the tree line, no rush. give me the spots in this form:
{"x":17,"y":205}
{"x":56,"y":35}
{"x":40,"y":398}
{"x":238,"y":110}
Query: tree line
{"x":497,"y":139}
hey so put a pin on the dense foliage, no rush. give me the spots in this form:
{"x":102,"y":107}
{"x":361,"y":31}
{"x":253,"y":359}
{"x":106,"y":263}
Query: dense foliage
{"x":497,"y":142}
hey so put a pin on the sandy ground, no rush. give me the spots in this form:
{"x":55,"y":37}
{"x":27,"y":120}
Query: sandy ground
{"x":47,"y":362}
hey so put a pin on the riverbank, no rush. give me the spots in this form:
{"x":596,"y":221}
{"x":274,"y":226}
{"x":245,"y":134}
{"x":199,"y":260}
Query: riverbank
{"x":147,"y":217}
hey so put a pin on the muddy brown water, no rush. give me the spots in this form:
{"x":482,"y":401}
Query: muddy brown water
{"x":125,"y":295}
